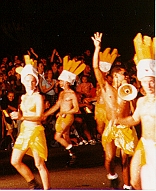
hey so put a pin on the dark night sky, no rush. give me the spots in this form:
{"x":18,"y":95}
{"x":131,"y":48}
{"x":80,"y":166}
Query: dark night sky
{"x":69,"y":24}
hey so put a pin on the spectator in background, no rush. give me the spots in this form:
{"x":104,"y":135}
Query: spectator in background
{"x":9,"y":104}
{"x":33,"y":55}
{"x":50,"y":87}
{"x":41,"y":74}
{"x":15,"y":59}
{"x":87,"y":56}
{"x":11,"y":73}
{"x":60,"y":68}
{"x":45,"y":63}
{"x":55,"y":57}
{"x":3,"y":84}
{"x":89,"y":73}
{"x":19,"y":89}
{"x":3,"y":68}
{"x":55,"y":70}
{"x":5,"y":60}
{"x":85,"y":87}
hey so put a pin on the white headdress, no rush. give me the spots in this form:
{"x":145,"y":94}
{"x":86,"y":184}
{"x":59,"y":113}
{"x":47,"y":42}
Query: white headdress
{"x":27,"y":69}
{"x":71,"y":69}
{"x":145,"y":56}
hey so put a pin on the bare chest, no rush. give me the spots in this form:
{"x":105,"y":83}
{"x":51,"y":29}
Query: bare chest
{"x":148,"y":108}
{"x":66,"y":98}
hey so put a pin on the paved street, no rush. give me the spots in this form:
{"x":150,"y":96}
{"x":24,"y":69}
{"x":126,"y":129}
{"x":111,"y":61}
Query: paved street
{"x":89,"y":172}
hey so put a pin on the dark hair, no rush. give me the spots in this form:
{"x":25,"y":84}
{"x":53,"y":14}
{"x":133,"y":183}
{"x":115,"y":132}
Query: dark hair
{"x":59,"y":65}
{"x":116,"y":69}
{"x":84,"y":76}
{"x":10,"y":91}
{"x":40,"y":62}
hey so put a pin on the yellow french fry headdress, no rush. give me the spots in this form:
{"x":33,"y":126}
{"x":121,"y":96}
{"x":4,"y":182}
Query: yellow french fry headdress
{"x":27,"y":69}
{"x":71,"y":69}
{"x":107,"y":59}
{"x":144,"y":57}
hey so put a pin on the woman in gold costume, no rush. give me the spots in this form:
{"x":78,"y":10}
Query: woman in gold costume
{"x":31,"y":139}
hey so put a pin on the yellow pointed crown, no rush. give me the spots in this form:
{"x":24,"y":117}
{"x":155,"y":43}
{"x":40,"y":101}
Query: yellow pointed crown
{"x":71,"y":68}
{"x":144,"y":57}
{"x":108,"y":56}
{"x":30,"y":61}
{"x":144,"y":48}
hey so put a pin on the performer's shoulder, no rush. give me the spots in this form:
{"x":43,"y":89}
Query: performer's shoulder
{"x":141,"y":100}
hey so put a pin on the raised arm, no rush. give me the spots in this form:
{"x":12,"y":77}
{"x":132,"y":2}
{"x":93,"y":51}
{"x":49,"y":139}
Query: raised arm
{"x":33,"y":52}
{"x":97,"y":43}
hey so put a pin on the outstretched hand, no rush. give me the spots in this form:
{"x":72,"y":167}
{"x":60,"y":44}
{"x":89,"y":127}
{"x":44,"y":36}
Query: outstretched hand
{"x":43,"y":118}
{"x":97,"y":39}
{"x":15,"y":115}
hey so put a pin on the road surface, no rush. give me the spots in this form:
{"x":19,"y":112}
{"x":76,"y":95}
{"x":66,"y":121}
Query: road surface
{"x":88,"y":174}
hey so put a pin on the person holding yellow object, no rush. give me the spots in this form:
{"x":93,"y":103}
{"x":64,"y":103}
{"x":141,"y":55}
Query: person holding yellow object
{"x":31,"y":139}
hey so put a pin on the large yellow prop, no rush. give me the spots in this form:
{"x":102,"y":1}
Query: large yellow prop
{"x":73,"y":66}
{"x":106,"y":56}
{"x":144,"y":48}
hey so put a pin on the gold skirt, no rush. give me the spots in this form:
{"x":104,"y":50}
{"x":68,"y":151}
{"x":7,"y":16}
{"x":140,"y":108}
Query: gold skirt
{"x":140,"y":147}
{"x":100,"y":113}
{"x":32,"y":139}
{"x":124,"y":137}
{"x":67,"y":120}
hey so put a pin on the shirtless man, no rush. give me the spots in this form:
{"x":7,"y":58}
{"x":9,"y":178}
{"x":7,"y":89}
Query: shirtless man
{"x":68,"y":105}
{"x":143,"y":164}
{"x":99,"y":113}
{"x":115,"y":107}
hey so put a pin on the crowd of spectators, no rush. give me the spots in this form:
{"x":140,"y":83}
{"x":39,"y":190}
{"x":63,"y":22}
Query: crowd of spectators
{"x":49,"y":69}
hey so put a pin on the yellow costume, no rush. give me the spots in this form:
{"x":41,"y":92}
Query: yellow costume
{"x":31,"y":138}
{"x":100,"y":113}
{"x":141,"y":147}
{"x":124,"y":137}
{"x":67,"y":120}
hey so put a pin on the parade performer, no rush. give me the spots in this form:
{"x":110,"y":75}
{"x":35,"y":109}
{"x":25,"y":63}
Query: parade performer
{"x":31,"y":139}
{"x":123,"y":137}
{"x":67,"y":105}
{"x":143,"y":164}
